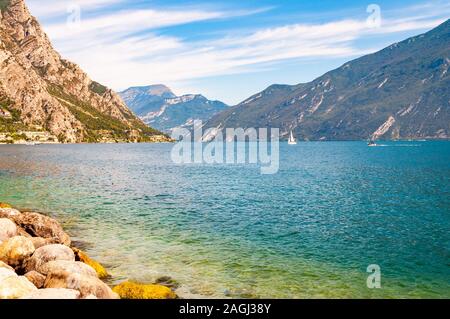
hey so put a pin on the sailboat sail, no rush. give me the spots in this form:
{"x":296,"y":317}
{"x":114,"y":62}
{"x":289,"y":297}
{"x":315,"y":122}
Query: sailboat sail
{"x":292,"y":140}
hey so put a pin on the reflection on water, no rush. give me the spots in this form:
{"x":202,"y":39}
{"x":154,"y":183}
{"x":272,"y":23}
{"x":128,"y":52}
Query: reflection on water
{"x":225,"y":230}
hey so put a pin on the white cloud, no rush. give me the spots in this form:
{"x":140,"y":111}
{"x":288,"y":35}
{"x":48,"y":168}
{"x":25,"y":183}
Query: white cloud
{"x":51,"y":8}
{"x":124,"y":48}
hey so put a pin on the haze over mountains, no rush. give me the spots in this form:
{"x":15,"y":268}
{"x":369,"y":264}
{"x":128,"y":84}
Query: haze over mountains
{"x":401,"y":92}
{"x":40,"y":91}
{"x":159,"y":107}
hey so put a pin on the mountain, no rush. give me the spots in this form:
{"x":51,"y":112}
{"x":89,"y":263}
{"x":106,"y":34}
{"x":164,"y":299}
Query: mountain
{"x":159,"y":107}
{"x":401,"y":92}
{"x":42,"y":93}
{"x":145,"y":99}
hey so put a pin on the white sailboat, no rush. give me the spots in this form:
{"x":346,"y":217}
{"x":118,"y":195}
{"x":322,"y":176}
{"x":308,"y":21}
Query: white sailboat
{"x":292,"y":140}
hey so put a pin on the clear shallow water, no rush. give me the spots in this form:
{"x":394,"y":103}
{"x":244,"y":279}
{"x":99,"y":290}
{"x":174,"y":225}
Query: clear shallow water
{"x":309,"y":231}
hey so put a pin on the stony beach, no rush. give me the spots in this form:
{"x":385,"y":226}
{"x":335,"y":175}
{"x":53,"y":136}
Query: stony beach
{"x":39,"y":261}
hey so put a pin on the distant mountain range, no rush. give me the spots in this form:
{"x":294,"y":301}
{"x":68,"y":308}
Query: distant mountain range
{"x":159,"y":107}
{"x":401,"y":92}
{"x":47,"y":96}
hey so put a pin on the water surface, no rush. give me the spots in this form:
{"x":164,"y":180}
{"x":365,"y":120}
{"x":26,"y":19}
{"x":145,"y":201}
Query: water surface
{"x":309,"y":231}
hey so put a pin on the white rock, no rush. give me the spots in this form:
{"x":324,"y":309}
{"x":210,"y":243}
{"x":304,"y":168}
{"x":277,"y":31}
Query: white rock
{"x":15,"y":287}
{"x":48,"y":253}
{"x":6,"y":273}
{"x":53,"y":293}
{"x":3,"y":265}
{"x":87,"y":285}
{"x":8,"y":229}
{"x":71,"y":267}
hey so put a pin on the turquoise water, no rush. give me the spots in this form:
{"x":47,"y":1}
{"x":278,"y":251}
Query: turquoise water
{"x":309,"y":231}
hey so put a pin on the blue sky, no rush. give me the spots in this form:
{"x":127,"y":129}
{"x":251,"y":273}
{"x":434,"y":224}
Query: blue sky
{"x":226,"y":50}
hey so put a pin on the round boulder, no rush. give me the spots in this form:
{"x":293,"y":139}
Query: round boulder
{"x":71,"y":267}
{"x":86,"y":285}
{"x":10,"y":213}
{"x":3,"y":265}
{"x":48,"y":253}
{"x":35,"y":278}
{"x":40,"y":242}
{"x":6,"y":273}
{"x":83,"y":257}
{"x":16,"y":250}
{"x":15,"y":287}
{"x":43,"y":226}
{"x":8,"y":229}
{"x":53,"y":293}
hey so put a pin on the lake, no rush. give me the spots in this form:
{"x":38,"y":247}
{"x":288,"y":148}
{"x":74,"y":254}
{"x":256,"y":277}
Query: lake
{"x":219,"y":230}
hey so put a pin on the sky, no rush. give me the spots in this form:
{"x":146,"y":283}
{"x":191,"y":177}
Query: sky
{"x":226,"y":50}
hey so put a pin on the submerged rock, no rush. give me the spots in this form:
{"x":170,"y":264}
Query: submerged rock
{"x":53,"y":293}
{"x":15,"y":287}
{"x":8,"y":229}
{"x":133,"y":290}
{"x":168,"y":282}
{"x":16,"y":250}
{"x":81,"y":256}
{"x":86,"y":285}
{"x":35,"y":278}
{"x":70,"y":267}
{"x":42,"y":226}
{"x":48,"y":253}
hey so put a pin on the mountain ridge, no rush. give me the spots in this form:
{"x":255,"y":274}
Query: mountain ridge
{"x":400,"y":92}
{"x":165,"y":110}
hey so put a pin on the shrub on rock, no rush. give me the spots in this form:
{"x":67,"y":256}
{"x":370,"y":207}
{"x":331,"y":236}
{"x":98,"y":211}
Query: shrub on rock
{"x":133,"y":290}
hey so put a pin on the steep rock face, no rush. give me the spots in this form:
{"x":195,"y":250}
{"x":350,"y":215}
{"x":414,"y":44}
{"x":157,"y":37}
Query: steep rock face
{"x":52,"y":93}
{"x":401,"y":92}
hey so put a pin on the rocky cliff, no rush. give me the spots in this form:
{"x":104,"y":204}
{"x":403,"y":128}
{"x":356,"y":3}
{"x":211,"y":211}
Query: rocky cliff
{"x":42,"y":91}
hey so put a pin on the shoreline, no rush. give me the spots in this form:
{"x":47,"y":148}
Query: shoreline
{"x":38,"y":260}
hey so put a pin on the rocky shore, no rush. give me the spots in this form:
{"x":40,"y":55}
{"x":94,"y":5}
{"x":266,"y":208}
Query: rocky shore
{"x":38,"y":261}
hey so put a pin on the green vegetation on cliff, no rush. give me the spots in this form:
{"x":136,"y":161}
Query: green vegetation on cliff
{"x":98,"y":88}
{"x":10,"y":124}
{"x":100,"y":126}
{"x":4,"y":4}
